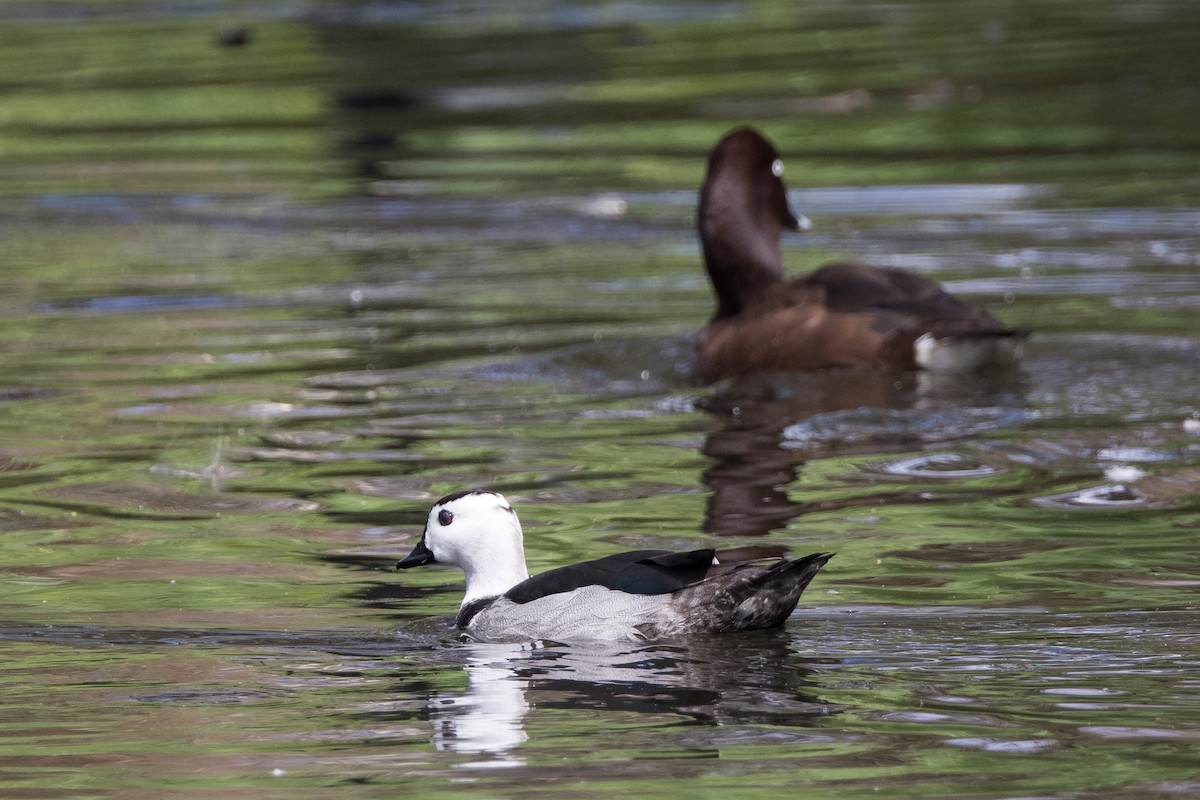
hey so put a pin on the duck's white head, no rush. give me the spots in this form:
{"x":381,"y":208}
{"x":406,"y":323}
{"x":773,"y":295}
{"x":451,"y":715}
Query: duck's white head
{"x":479,"y":532}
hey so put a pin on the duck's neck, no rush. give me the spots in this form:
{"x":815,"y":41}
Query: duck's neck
{"x":494,"y":573}
{"x":743,"y":257}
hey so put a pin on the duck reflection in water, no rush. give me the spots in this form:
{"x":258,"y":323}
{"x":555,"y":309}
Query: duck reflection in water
{"x":488,"y":716}
{"x":769,"y":425}
{"x":747,"y":679}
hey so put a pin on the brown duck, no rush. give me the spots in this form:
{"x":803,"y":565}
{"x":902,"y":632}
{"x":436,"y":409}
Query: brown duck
{"x":841,"y":315}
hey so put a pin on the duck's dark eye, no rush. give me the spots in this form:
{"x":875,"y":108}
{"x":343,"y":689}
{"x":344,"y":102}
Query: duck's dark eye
{"x":445,"y":517}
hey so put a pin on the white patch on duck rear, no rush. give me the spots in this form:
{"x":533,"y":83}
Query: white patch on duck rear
{"x":952,"y":354}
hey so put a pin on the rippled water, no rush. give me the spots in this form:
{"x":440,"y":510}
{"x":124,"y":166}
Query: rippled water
{"x":266,"y":302}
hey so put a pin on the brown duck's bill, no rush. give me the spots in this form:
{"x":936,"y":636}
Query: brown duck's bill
{"x":798,"y":222}
{"x":420,"y":555}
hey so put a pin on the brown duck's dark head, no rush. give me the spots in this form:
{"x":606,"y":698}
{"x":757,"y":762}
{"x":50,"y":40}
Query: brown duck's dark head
{"x":743,"y":211}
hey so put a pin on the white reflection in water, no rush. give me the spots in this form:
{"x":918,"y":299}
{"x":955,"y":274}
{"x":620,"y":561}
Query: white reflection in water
{"x":738,"y":677}
{"x":488,"y":717}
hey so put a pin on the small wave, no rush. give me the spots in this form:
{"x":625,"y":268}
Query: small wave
{"x":1116,"y":495}
{"x":941,"y":465}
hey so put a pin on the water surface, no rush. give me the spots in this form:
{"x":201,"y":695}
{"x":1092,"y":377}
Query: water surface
{"x":267,"y":301}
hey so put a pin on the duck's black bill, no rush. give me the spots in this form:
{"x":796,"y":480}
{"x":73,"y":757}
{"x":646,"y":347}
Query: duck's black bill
{"x":420,"y":555}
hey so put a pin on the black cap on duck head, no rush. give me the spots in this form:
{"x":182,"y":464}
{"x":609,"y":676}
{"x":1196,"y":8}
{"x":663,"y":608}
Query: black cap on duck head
{"x":743,"y":211}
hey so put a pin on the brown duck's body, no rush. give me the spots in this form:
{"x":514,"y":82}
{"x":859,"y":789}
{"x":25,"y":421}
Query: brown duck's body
{"x":841,"y":315}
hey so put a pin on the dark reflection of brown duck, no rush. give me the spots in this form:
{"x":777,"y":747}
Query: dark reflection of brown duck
{"x":841,"y":315}
{"x":750,"y":479}
{"x":753,"y":469}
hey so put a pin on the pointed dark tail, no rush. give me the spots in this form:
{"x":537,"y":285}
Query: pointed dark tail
{"x":773,"y":595}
